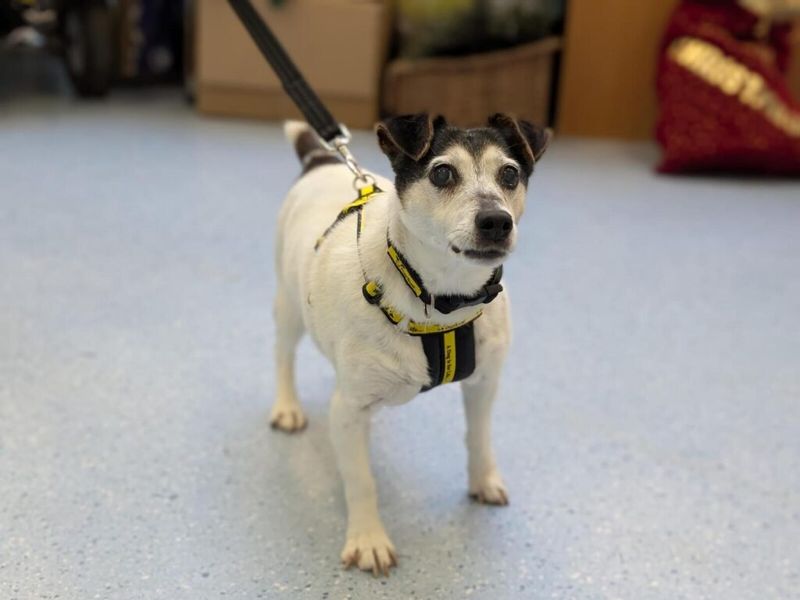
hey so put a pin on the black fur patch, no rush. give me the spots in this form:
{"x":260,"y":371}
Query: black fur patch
{"x":526,"y":141}
{"x":311,"y":153}
{"x":475,"y":141}
{"x":318,"y":161}
{"x":411,"y":141}
{"x":408,"y":135}
{"x":305,"y":143}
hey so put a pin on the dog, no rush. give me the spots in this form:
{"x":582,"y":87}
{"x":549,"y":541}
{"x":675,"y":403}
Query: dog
{"x":401,"y":290}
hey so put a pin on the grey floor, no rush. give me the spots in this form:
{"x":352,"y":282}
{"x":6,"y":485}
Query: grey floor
{"x":649,"y":425}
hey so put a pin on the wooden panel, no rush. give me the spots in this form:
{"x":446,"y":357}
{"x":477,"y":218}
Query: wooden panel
{"x":794,"y":70}
{"x":608,"y":70}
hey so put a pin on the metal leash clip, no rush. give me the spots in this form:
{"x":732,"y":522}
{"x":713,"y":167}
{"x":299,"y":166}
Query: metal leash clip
{"x":299,"y":91}
{"x":339,"y":144}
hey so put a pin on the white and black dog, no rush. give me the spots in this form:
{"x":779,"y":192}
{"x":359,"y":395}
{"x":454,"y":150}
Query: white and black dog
{"x":400,"y":290}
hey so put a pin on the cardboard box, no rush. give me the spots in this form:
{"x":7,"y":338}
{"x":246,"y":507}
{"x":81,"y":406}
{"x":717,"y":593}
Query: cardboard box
{"x":340,"y":46}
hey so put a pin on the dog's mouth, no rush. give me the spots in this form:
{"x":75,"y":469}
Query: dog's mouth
{"x":489,"y":255}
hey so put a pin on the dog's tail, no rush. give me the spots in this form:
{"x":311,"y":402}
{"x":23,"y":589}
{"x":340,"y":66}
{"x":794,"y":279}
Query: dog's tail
{"x":310,"y":151}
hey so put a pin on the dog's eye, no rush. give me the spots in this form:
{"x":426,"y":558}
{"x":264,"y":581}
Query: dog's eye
{"x":442,"y":176}
{"x":509,"y":177}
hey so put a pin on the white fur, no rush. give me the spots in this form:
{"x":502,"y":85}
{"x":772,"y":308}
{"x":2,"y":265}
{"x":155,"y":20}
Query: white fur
{"x":376,"y":364}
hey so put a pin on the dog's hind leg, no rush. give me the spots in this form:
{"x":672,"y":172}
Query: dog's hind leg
{"x":287,"y":414}
{"x":485,"y":483}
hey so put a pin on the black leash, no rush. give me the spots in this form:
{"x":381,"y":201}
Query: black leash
{"x":450,"y":352}
{"x":293,"y":81}
{"x":334,"y":135}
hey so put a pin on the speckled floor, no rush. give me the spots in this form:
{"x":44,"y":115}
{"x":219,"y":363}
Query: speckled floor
{"x":649,"y":426}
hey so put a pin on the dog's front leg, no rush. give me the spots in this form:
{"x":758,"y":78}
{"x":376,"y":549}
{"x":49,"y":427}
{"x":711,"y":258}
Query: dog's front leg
{"x":485,"y":482}
{"x":367,"y":545}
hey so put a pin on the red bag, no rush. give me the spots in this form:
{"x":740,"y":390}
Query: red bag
{"x":724,"y":101}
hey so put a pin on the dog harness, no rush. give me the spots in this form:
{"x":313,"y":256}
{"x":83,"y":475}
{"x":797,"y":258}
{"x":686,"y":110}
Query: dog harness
{"x":449,"y":349}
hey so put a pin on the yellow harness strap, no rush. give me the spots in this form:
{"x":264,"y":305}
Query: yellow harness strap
{"x":405,"y":271}
{"x":444,"y":304}
{"x":374,"y":293}
{"x":449,"y":349}
{"x":365,"y":194}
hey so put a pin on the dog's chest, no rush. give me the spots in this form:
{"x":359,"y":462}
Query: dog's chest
{"x":380,"y":353}
{"x":380,"y":365}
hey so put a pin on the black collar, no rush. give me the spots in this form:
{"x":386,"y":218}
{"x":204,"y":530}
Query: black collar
{"x":444,"y":304}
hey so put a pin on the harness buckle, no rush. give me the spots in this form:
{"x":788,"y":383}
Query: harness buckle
{"x":448,"y":304}
{"x":492,"y":291}
{"x":372,"y":292}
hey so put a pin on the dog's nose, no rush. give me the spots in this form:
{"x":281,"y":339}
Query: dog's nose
{"x":494,"y":225}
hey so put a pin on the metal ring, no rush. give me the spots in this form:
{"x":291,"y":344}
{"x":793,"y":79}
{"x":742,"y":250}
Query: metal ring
{"x":365,"y":178}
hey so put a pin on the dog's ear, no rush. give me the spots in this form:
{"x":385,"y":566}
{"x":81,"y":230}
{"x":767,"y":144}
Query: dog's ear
{"x":527,"y":141}
{"x":439,"y":122}
{"x":409,"y":135}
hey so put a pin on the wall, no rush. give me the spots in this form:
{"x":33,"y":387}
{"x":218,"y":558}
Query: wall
{"x":608,"y":70}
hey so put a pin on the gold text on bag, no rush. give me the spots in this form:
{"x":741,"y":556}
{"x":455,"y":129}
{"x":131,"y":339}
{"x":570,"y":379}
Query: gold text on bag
{"x":733,"y":78}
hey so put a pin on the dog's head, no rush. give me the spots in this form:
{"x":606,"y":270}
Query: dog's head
{"x":463,"y":189}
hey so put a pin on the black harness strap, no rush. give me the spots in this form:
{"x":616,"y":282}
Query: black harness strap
{"x":451,"y":355}
{"x":449,"y":349}
{"x":444,"y":304}
{"x":489,"y":291}
{"x":293,"y":81}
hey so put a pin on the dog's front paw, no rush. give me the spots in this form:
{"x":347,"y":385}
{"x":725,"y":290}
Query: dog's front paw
{"x":288,"y":417}
{"x":371,"y":551}
{"x":489,"y":489}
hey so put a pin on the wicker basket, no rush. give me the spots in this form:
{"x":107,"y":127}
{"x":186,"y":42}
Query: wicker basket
{"x":467,"y":89}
